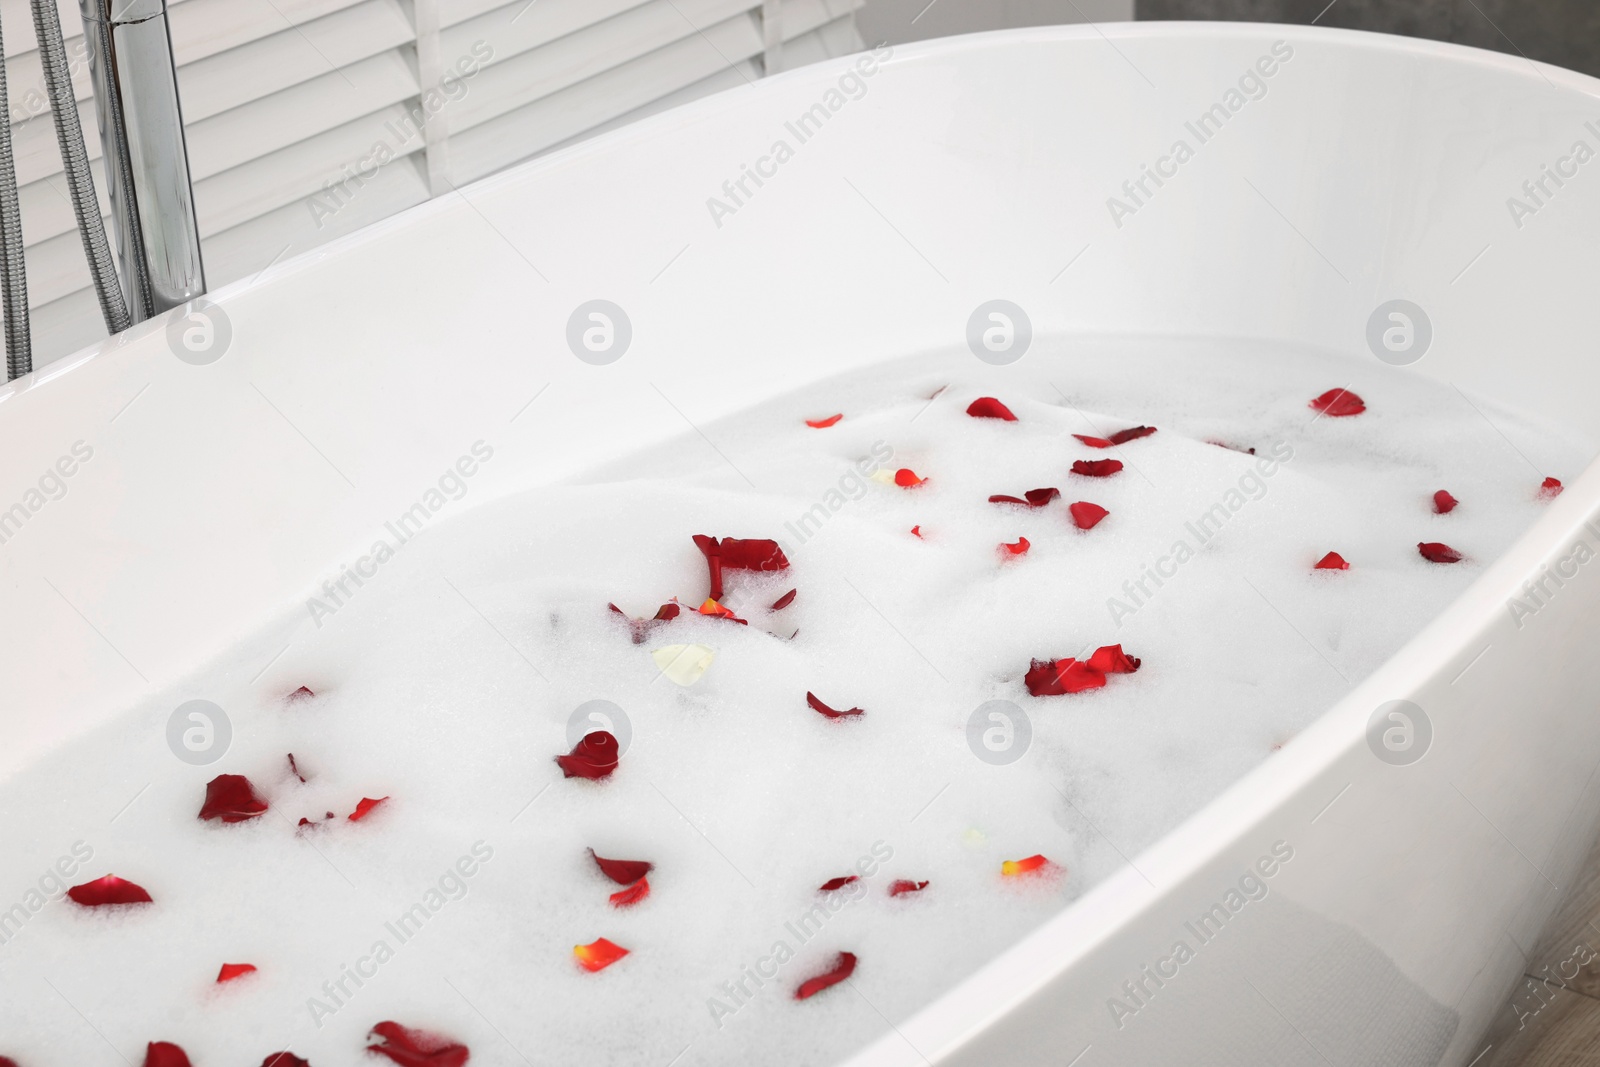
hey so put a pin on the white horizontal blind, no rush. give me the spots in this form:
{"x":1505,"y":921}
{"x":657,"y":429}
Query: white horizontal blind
{"x":307,"y":119}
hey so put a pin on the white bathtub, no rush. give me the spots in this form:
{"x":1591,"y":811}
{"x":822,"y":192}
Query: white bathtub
{"x":966,"y":170}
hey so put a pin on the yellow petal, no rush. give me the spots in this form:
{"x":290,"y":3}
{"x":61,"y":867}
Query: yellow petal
{"x":684,"y":664}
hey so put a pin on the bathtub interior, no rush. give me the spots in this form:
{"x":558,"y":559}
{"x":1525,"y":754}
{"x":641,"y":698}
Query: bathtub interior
{"x":954,"y":173}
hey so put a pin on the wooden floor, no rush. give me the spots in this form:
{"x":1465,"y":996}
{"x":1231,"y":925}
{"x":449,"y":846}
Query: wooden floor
{"x":1554,"y":1019}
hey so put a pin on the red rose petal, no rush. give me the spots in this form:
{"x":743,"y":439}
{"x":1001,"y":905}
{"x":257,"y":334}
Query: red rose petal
{"x":301,"y":694}
{"x":1033,"y":498}
{"x":1093,"y":442}
{"x":916,"y":531}
{"x":284,"y":1059}
{"x":819,"y":706}
{"x":838,"y":883}
{"x":622,"y":872}
{"x":784,"y":601}
{"x":230,"y":971}
{"x":1048,"y":678}
{"x":1339,"y":403}
{"x":902,"y":886}
{"x":598,"y":954}
{"x":1550,"y":487}
{"x":1018,"y":548}
{"x":641,"y":628}
{"x":165,"y":1054}
{"x":231,"y":798}
{"x":1444,"y":503}
{"x":987,"y":407}
{"x":906,"y":478}
{"x":108,"y":890}
{"x":1438,"y":552}
{"x":1012,"y":868}
{"x":823,"y":424}
{"x":1110,"y":659}
{"x":1331,"y":562}
{"x":594,"y":756}
{"x":295,"y":768}
{"x":1122,"y":437}
{"x":843,"y":968}
{"x":417,"y":1048}
{"x":1096,"y":468}
{"x":752,"y":554}
{"x":1086,"y":516}
{"x":627,"y":898}
{"x":364,"y":808}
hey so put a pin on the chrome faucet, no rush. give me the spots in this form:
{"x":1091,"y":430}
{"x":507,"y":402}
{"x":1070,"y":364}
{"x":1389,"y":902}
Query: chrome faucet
{"x":146,"y":157}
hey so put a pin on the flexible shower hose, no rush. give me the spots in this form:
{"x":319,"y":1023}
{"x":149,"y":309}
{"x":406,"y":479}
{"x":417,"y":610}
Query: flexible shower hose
{"x":13,"y":268}
{"x":75,"y":161}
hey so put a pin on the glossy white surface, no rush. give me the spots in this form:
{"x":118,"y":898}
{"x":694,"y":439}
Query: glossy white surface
{"x":219,"y":496}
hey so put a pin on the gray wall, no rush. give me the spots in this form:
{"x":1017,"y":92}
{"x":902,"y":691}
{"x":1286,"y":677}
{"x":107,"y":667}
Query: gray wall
{"x":896,"y":21}
{"x":1563,"y":32}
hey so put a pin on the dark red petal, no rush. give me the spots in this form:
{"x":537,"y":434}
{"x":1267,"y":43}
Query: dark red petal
{"x":1122,"y":437}
{"x":1337,"y":403}
{"x":785,"y":600}
{"x":108,"y":890}
{"x":594,"y":756}
{"x":1332,"y":562}
{"x":1093,"y":442}
{"x":230,"y":971}
{"x":987,"y":407}
{"x":843,"y":968}
{"x":819,"y":706}
{"x":1086,"y":516}
{"x":823,"y":424}
{"x":1444,"y":503}
{"x":1438,"y":552}
{"x":1048,"y":678}
{"x":1232,"y":448}
{"x":902,"y":886}
{"x":295,"y":768}
{"x":284,"y":1059}
{"x":301,"y":694}
{"x":1550,"y":487}
{"x":752,"y":554}
{"x":1110,"y":659}
{"x":627,"y":898}
{"x":417,"y":1048}
{"x":165,"y":1054}
{"x":1033,"y":498}
{"x":1096,"y":468}
{"x":622,"y":872}
{"x":838,"y":883}
{"x":231,"y":798}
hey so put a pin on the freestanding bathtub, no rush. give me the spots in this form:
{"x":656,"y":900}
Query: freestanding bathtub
{"x":234,"y":463}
